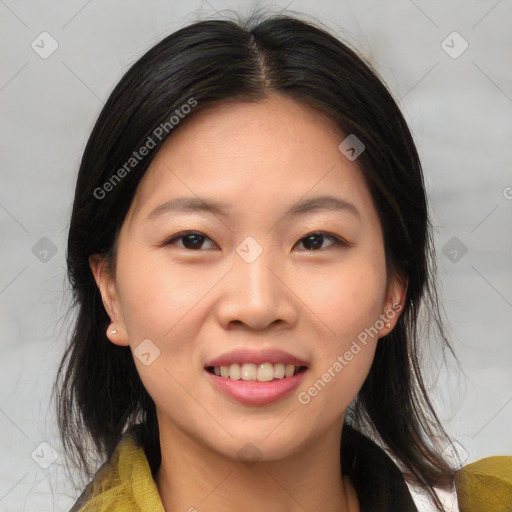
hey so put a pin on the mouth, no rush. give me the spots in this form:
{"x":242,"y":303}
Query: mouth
{"x":256,"y":385}
{"x":266,"y":372}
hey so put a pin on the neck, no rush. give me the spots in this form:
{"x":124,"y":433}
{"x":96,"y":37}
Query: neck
{"x":194,"y":477}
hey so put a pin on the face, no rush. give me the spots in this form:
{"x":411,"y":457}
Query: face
{"x":191,"y":286}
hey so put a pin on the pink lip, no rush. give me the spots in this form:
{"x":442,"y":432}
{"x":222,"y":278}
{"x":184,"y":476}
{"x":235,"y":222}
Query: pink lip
{"x":259,"y":357}
{"x":256,"y":393}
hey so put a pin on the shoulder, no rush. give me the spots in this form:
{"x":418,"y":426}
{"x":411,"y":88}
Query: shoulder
{"x":124,"y":482}
{"x":485,"y":485}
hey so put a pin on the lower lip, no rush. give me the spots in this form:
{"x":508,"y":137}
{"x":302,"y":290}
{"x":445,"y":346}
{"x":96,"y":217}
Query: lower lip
{"x":253,"y":392}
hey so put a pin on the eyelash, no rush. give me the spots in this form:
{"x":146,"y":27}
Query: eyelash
{"x":338,"y":242}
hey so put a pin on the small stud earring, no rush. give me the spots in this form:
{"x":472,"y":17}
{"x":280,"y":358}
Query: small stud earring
{"x":114,"y":331}
{"x":388,"y":325}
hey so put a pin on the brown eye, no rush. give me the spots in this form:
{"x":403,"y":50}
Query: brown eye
{"x":192,"y":240}
{"x":315,"y":240}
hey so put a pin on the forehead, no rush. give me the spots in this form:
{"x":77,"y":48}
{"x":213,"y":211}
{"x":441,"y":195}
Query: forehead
{"x":252,"y":156}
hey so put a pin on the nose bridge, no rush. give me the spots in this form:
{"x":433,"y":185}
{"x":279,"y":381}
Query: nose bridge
{"x":254,"y":261}
{"x":256,"y":295}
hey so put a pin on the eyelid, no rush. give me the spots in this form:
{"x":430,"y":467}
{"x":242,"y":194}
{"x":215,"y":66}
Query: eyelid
{"x":337,"y":240}
{"x":182,"y":234}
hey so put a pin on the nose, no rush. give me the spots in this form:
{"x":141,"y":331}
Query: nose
{"x":257,"y":294}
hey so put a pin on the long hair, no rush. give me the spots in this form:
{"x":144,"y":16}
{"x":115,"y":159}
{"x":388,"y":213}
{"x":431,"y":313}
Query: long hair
{"x":98,"y":390}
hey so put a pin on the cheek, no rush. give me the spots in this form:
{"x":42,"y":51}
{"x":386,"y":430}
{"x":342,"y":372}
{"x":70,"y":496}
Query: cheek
{"x":340,"y":371}
{"x":158,"y":295}
{"x":348,"y":304}
{"x":162,"y":303}
{"x":346,"y":298}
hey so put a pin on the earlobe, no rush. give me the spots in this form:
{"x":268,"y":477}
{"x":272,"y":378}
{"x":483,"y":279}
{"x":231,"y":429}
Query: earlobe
{"x":106,"y":285}
{"x":117,"y":336}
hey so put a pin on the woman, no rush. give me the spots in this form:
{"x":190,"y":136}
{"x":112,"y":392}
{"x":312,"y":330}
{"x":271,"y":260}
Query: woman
{"x":249,"y":250}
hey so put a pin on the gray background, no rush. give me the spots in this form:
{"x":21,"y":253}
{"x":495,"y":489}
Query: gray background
{"x":459,"y":109}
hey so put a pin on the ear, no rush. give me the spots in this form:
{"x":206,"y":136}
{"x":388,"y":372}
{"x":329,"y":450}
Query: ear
{"x":107,"y":286}
{"x":393,"y":304}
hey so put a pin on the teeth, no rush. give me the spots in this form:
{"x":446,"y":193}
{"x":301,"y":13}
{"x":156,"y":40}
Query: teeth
{"x":279,"y":370}
{"x":248,"y":371}
{"x":235,"y":372}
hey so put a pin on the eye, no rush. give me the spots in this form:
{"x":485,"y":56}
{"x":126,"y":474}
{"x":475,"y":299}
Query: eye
{"x":194,"y":240}
{"x":314,"y":240}
{"x":191,"y":240}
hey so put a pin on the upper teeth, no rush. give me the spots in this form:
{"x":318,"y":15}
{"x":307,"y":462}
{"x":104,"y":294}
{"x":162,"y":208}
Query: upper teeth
{"x":264,"y":372}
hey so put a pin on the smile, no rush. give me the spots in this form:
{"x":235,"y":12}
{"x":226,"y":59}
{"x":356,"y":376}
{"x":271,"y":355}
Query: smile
{"x":252,"y":391}
{"x":265,"y":372}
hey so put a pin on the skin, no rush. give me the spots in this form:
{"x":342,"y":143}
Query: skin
{"x":197,"y":303}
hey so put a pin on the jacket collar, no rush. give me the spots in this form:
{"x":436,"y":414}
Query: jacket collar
{"x":126,"y":480}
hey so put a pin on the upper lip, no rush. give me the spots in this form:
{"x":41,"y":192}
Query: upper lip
{"x":256,"y":357}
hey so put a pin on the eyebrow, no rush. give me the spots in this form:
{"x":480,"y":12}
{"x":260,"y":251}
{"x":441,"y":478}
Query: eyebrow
{"x":194,"y":204}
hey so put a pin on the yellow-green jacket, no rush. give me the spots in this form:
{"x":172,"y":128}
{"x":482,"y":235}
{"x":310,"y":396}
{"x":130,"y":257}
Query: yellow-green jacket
{"x":125,"y":482}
